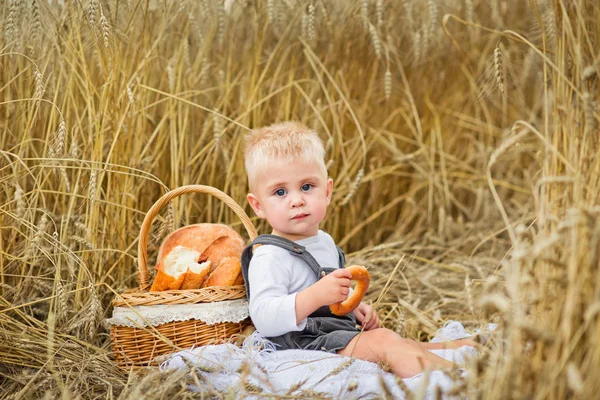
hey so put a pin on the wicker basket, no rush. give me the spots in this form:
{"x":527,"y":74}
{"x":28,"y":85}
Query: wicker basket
{"x":135,"y":347}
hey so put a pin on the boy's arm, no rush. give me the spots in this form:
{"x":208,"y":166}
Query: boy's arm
{"x":306,"y":303}
{"x":272,"y":307}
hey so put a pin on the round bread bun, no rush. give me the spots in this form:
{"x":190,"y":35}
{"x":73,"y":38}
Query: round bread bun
{"x":362,"y":278}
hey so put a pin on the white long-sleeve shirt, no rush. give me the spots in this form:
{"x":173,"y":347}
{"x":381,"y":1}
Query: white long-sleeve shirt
{"x":275,"y":276}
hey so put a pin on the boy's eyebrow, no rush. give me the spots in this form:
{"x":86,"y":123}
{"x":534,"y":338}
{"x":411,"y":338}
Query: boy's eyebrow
{"x":312,"y":178}
{"x":274,"y":185}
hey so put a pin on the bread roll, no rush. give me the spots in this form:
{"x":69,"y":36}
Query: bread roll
{"x":173,"y":269}
{"x":226,"y":273}
{"x":239,"y":280}
{"x":190,"y":254}
{"x":223,"y":248}
{"x":165,"y":281}
{"x":196,"y":275}
{"x":196,"y":237}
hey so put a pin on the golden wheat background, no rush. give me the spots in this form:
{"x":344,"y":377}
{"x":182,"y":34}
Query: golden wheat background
{"x":462,"y":137}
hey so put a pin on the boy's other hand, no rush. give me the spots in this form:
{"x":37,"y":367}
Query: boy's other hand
{"x":367,"y":317}
{"x":334,"y":287}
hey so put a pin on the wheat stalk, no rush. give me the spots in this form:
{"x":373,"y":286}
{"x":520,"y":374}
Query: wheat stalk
{"x":95,"y":312}
{"x":589,"y":72}
{"x":185,"y":49}
{"x":408,"y":7}
{"x":172,"y":79}
{"x":433,"y":18}
{"x":36,"y":243}
{"x":62,"y":300}
{"x":495,"y":302}
{"x":496,"y":17}
{"x":469,"y":290}
{"x":576,"y":383}
{"x":549,"y":24}
{"x":364,"y":13}
{"x":498,"y":71}
{"x":92,"y":12}
{"x":312,"y":35}
{"x":379,"y":11}
{"x":60,"y":138}
{"x":385,"y":390}
{"x":10,"y":29}
{"x":220,"y":23}
{"x":271,"y":11}
{"x":36,"y":26}
{"x":85,"y":243}
{"x":92,"y":186}
{"x":469,"y":11}
{"x":65,"y":177}
{"x":591,"y":123}
{"x":417,"y":43}
{"x":375,"y":39}
{"x":39,"y":85}
{"x":387,"y":84}
{"x":18,"y":198}
{"x":354,"y":187}
{"x":105,"y":28}
{"x":130,"y":95}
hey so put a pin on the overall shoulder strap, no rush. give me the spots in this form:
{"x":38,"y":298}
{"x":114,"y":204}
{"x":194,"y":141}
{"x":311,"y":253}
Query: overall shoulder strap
{"x":286,"y":244}
{"x":342,"y":257}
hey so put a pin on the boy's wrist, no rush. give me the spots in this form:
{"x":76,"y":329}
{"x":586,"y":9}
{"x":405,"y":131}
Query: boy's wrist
{"x":313,"y":298}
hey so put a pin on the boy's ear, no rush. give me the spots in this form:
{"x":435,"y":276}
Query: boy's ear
{"x":329,"y":190}
{"x":255,"y":204}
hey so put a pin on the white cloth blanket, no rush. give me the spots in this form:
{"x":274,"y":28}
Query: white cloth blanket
{"x":256,"y":365}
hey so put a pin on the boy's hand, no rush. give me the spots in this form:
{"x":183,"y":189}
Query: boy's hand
{"x":333,"y":288}
{"x":367,"y":316}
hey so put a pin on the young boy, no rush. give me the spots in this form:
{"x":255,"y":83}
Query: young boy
{"x":289,"y":291}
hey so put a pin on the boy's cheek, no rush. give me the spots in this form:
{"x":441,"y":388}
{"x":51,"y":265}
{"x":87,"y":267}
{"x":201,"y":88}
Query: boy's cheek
{"x":260,"y":213}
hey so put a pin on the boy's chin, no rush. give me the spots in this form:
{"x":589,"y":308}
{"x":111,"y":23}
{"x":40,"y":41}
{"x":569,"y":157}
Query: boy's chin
{"x":295,"y":235}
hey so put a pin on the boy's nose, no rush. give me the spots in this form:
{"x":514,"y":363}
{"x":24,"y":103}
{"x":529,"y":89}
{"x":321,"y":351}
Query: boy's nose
{"x":297,"y":200}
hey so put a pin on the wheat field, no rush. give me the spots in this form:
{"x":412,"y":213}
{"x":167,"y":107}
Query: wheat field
{"x":462,"y":137}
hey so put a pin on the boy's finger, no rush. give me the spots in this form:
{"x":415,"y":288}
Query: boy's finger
{"x":366,"y":320}
{"x":342,"y":273}
{"x":373,"y":323}
{"x":345,"y":282}
{"x":376,"y":322}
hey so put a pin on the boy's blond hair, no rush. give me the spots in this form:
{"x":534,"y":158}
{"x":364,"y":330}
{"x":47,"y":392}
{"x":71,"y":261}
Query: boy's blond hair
{"x":286,"y":140}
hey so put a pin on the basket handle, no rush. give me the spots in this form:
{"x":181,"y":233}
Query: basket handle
{"x":163,"y":201}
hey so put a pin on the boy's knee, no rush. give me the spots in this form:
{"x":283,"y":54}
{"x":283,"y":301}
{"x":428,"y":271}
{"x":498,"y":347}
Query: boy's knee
{"x":384,"y":337}
{"x":387,"y":335}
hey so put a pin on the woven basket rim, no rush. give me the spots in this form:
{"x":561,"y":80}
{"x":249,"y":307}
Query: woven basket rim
{"x":211,"y":294}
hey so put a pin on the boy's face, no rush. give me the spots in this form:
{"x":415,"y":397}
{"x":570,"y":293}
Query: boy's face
{"x":293,"y":197}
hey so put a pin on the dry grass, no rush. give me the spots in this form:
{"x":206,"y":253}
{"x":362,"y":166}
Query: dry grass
{"x":462,"y":138}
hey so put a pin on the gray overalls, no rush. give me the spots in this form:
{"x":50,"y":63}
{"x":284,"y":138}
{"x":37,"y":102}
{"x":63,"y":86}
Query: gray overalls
{"x":324,"y":330}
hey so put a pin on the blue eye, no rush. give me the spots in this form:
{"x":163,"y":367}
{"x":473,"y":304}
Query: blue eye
{"x":280,"y":192}
{"x":306,"y":187}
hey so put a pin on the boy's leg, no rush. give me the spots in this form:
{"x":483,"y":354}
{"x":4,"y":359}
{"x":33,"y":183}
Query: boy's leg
{"x":404,"y":356}
{"x":451,"y":344}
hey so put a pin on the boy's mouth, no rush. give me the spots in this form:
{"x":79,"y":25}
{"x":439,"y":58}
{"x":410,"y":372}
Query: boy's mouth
{"x":300,"y":216}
